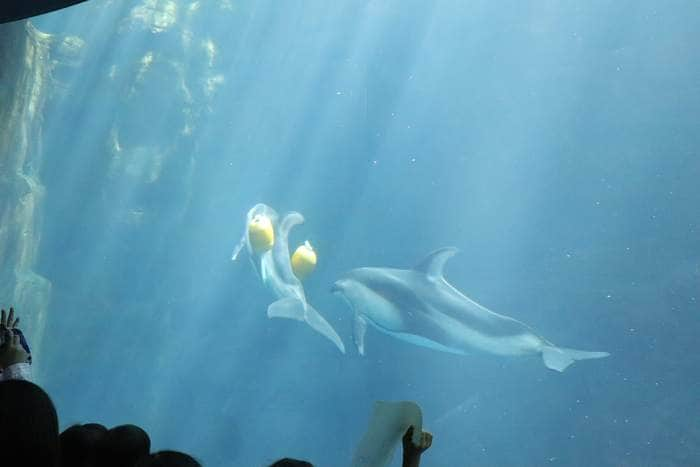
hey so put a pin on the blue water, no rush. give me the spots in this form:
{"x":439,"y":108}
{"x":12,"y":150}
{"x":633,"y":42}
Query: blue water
{"x":556,"y":144}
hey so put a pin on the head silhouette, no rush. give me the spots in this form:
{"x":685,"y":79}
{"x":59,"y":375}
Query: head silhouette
{"x":289,"y":462}
{"x":122,"y":446}
{"x":79,"y":444}
{"x":28,"y":425}
{"x":168,"y":459}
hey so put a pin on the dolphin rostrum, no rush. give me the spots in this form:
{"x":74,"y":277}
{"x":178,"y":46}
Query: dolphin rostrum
{"x":275,"y":270}
{"x":419,"y":306}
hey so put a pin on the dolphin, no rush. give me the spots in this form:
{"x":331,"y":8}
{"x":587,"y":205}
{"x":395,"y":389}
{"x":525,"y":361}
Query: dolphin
{"x":275,"y":269}
{"x":419,"y":306}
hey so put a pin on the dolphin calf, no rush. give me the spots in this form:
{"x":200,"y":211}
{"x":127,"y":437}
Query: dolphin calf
{"x":275,"y":269}
{"x":419,"y":306}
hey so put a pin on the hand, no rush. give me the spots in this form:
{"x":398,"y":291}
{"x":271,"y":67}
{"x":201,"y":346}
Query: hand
{"x":8,"y":321}
{"x":413,"y":450}
{"x":11,"y":350}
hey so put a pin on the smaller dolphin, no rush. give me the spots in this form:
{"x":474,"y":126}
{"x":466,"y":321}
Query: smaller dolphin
{"x":419,"y":306}
{"x":274,"y":267}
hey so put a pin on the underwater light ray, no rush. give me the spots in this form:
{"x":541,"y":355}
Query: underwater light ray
{"x":83,"y":142}
{"x":287,"y":112}
{"x":110,"y":92}
{"x":369,"y":114}
{"x":325,"y":100}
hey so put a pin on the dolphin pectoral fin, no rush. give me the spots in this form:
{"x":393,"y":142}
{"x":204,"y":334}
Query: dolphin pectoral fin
{"x":358,"y":333}
{"x":239,"y":247}
{"x":433,"y":264}
{"x":267,"y":266}
{"x":559,"y":358}
{"x":290,"y":308}
{"x":314,"y":319}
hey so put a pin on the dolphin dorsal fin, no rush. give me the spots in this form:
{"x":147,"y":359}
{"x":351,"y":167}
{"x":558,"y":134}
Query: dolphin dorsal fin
{"x":433,"y":264}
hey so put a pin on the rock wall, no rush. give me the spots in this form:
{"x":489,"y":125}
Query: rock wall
{"x":24,"y":78}
{"x":97,"y":153}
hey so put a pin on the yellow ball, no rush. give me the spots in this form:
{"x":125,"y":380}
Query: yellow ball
{"x":261,"y":234}
{"x":303,"y":261}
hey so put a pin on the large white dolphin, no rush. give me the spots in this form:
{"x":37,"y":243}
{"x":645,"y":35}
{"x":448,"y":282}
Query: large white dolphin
{"x":275,"y":269}
{"x":419,"y":306}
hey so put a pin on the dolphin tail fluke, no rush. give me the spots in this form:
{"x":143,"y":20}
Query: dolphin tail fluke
{"x":559,"y":358}
{"x":293,"y":308}
{"x":314,"y":319}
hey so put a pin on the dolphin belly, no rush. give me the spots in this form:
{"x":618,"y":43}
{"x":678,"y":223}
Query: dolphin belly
{"x":422,"y":341}
{"x":426,"y":314}
{"x":420,"y":323}
{"x":447,"y":332}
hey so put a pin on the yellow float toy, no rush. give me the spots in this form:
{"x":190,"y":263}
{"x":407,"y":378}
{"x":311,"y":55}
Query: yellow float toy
{"x":261,"y":234}
{"x":303,"y":260}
